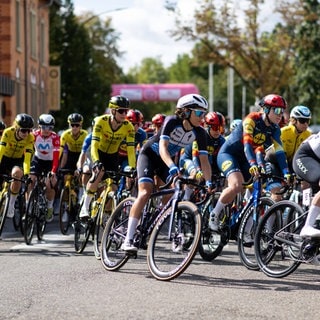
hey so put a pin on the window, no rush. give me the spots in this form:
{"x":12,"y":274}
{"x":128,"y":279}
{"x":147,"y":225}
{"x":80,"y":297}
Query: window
{"x":42,"y":43}
{"x":33,"y":35}
{"x":18,"y":26}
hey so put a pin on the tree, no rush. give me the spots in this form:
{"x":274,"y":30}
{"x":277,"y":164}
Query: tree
{"x":261,"y":59}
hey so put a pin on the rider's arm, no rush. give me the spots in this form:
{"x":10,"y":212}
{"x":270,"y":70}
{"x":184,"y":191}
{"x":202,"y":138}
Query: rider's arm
{"x":55,"y":153}
{"x":29,"y":149}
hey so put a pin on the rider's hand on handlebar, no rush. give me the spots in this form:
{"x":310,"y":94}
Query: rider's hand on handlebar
{"x":254,"y":170}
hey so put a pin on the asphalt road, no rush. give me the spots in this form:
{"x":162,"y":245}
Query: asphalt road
{"x":47,"y":280}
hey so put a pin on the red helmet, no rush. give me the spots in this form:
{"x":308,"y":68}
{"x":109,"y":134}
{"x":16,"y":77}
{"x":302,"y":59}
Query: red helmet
{"x":158,"y":119}
{"x":273,"y":101}
{"x":214,"y":119}
{"x":135,"y":116}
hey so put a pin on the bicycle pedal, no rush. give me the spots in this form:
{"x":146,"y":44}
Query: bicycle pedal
{"x":132,"y":254}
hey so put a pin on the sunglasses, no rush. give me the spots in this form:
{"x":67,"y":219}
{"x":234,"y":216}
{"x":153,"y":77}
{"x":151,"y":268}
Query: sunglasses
{"x":122,"y":111}
{"x":302,"y":121}
{"x":199,"y":113}
{"x":23,"y":130}
{"x":75,"y":125}
{"x":278,"y":111}
{"x":1,"y":132}
{"x":46,"y":127}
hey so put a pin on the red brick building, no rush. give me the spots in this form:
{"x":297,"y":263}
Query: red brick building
{"x":24,"y":58}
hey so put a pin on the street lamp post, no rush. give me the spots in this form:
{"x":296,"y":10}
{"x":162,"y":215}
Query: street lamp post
{"x":100,"y":14}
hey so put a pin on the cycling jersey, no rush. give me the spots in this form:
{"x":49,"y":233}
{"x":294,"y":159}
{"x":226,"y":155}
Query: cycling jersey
{"x":11,"y":147}
{"x":68,"y":143}
{"x":249,"y":141}
{"x":291,"y":140}
{"x":140,"y":138}
{"x":47,"y":148}
{"x":107,"y":140}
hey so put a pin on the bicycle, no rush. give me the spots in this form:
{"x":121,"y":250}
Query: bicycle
{"x":238,"y":223}
{"x":20,"y":209}
{"x":279,"y":248}
{"x":169,"y":232}
{"x":68,"y":204}
{"x":5,"y":199}
{"x":100,"y":210}
{"x":37,"y":208}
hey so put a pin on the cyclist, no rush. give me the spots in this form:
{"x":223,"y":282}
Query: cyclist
{"x":71,"y":142}
{"x":305,"y":164}
{"x":46,"y":158}
{"x":292,"y":136}
{"x":156,"y":156}
{"x":243,"y":152}
{"x":109,"y":131}
{"x":16,"y":149}
{"x":157,"y":121}
{"x":189,"y":159}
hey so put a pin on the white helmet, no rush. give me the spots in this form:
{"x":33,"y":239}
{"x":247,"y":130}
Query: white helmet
{"x":46,"y":120}
{"x":192,"y":101}
{"x":300,"y":112}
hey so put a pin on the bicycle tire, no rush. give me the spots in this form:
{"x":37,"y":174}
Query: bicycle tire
{"x":64,"y":211}
{"x":41,"y":218}
{"x":211,"y":244}
{"x":169,"y":257}
{"x":4,"y":204}
{"x":112,"y":256}
{"x":18,"y":214}
{"x":101,"y":220}
{"x":30,"y":217}
{"x":247,"y":229}
{"x":274,"y":256}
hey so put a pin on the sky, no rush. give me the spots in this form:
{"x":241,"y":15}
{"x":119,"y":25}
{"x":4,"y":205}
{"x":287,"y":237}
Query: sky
{"x":143,"y":26}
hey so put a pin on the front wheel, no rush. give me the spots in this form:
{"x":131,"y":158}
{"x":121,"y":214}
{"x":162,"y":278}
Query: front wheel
{"x":276,"y":256}
{"x":174,"y":241}
{"x":64,"y":211}
{"x":112,"y":255}
{"x":247,"y":230}
{"x":41,"y":219}
{"x":30,"y":217}
{"x":4,"y":204}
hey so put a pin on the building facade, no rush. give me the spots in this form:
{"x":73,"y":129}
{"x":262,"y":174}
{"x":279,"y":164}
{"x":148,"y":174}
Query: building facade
{"x":24,"y":57}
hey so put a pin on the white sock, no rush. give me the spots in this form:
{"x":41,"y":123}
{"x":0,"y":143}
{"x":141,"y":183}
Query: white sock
{"x":50,"y":203}
{"x":13,"y":198}
{"x":218,"y":208}
{"x":87,"y":199}
{"x":312,"y":216}
{"x":132,"y":226}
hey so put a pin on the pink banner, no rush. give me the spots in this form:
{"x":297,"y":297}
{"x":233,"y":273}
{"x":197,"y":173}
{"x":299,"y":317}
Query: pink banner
{"x":154,"y":92}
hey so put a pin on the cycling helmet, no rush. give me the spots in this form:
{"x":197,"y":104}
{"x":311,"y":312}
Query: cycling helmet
{"x":192,"y":101}
{"x":135,"y":116}
{"x":234,"y":124}
{"x":213,"y":119}
{"x":119,"y":102}
{"x":75,"y":118}
{"x":24,"y":121}
{"x":2,"y":125}
{"x":272,"y":101}
{"x":300,"y":112}
{"x":46,"y":120}
{"x":158,"y":119}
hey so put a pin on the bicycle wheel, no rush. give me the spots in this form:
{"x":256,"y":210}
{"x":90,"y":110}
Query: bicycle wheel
{"x":102,"y":217}
{"x":112,"y":256}
{"x":211,"y":243}
{"x":18,"y":213}
{"x":4,"y":204}
{"x":277,"y":257}
{"x":30,"y":216}
{"x":64,"y":211}
{"x":246,"y":233}
{"x":174,"y":241}
{"x":41,"y":219}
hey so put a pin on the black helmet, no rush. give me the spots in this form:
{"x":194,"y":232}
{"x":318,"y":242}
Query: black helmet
{"x":46,"y":120}
{"x":2,"y":125}
{"x":25,"y":121}
{"x":119,"y":102}
{"x":75,"y":118}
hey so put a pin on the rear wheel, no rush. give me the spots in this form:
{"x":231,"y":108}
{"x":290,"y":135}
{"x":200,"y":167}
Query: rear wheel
{"x":277,"y":257}
{"x":112,"y":256}
{"x":41,"y":220}
{"x":174,"y":241}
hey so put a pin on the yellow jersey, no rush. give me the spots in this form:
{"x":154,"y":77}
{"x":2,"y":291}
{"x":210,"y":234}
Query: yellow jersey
{"x":68,"y":141}
{"x":11,"y":147}
{"x":291,"y":140}
{"x":107,"y":140}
